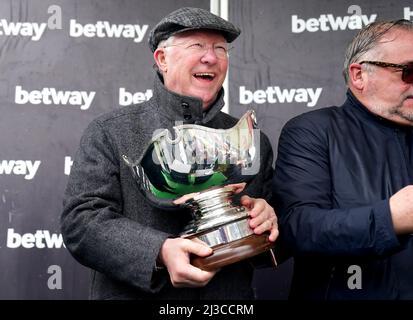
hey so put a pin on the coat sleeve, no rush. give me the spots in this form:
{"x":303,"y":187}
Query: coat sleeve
{"x":309,"y":222}
{"x":93,"y":226}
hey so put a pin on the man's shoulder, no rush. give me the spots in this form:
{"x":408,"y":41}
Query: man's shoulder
{"x":122,"y":120}
{"x":131,"y":111}
{"x":226,"y":118}
{"x":320,"y":118}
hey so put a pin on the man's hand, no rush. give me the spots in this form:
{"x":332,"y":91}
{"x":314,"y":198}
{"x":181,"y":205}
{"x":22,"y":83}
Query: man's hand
{"x":262,"y":215}
{"x":175,"y":255}
{"x":401,"y":208}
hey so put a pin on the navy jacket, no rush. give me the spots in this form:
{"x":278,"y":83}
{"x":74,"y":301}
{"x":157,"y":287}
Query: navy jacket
{"x":336,"y":169}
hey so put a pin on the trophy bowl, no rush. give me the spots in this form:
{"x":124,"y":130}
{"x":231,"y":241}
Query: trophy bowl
{"x":206,"y":161}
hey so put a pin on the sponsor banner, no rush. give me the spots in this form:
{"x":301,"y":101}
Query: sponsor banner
{"x":329,"y":22}
{"x":32,"y":30}
{"x":408,"y":13}
{"x":274,"y":94}
{"x":68,"y":165}
{"x":127,"y":98}
{"x":25,"y":168}
{"x":52,"y":96}
{"x":105,"y":29}
{"x":40,"y":239}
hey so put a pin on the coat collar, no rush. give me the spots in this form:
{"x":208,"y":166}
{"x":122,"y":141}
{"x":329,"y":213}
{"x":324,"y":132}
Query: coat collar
{"x":187,"y":109}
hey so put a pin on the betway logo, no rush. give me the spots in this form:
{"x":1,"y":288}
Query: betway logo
{"x":53,"y":96}
{"x":41,"y":239}
{"x":408,"y":13}
{"x":20,"y":167}
{"x":275,"y":94}
{"x":68,"y":165}
{"x":103,"y":29}
{"x":127,"y":98}
{"x":25,"y":29}
{"x":327,"y":22}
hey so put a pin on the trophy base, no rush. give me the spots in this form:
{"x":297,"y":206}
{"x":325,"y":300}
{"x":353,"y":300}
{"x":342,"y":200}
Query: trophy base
{"x":228,"y":253}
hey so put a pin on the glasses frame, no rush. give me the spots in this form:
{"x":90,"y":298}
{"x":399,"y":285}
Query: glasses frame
{"x":407,"y":69}
{"x":205,"y":48}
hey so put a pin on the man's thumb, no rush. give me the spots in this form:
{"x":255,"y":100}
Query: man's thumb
{"x":246,"y":201}
{"x":199,"y":249}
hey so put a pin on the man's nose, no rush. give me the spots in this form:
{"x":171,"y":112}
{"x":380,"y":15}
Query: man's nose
{"x":209,"y":55}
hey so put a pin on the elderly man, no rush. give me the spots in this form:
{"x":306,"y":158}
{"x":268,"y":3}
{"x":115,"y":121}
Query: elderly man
{"x":344,"y":175}
{"x":130,"y":243}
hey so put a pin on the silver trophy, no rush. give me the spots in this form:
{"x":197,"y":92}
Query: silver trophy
{"x":206,"y":163}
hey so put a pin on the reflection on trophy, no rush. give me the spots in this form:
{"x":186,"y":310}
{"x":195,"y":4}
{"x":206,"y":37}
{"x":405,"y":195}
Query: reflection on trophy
{"x":206,"y":161}
{"x":224,"y":227}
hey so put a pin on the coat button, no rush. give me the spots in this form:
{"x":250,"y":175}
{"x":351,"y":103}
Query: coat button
{"x":185,"y":105}
{"x":187,"y":116}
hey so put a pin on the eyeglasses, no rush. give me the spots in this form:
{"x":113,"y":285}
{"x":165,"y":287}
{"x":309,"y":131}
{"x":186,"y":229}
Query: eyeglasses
{"x":407,"y":69}
{"x":221,"y":50}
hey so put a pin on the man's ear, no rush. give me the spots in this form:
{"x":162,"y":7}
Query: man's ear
{"x":160,"y":59}
{"x":356,"y":76}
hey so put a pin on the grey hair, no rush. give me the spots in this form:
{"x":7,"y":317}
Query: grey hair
{"x":166,"y":42}
{"x":367,"y":39}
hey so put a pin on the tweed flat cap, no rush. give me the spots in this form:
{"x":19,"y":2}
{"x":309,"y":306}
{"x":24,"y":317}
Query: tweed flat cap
{"x":188,"y":18}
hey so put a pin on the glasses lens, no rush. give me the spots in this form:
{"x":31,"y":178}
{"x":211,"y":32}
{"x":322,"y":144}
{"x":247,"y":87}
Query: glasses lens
{"x":221,"y":50}
{"x":407,"y":75}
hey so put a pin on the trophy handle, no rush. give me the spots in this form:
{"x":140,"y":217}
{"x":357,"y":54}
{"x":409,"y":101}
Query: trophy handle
{"x":143,"y":186}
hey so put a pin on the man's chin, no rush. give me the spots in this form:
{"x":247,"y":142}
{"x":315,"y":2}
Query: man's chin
{"x":405,"y":118}
{"x":207,"y":99}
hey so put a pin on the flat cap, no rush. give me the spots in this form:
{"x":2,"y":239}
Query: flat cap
{"x":188,"y":18}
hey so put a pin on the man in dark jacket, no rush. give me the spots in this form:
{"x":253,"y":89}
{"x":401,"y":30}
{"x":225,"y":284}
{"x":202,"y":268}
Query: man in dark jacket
{"x":344,"y":175}
{"x":133,"y":247}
